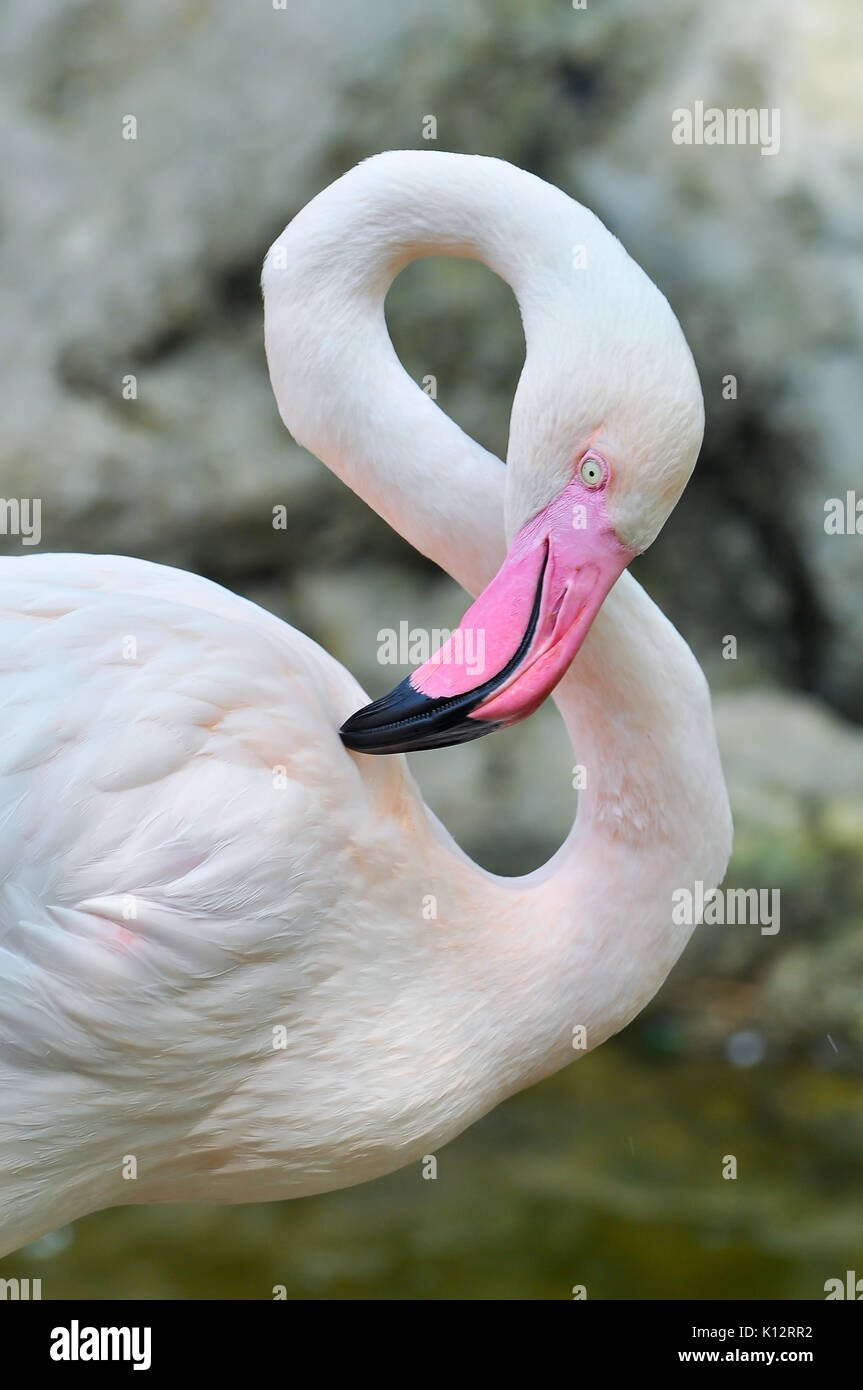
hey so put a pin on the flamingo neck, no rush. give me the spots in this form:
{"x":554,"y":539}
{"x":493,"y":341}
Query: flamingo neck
{"x":341,"y":389}
{"x":653,"y":818}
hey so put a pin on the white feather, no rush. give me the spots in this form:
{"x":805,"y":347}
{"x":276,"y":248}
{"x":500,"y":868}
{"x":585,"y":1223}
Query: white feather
{"x":194,"y":870}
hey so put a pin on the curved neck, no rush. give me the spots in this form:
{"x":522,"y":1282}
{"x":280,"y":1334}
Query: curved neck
{"x":340,"y":388}
{"x":653,"y":813}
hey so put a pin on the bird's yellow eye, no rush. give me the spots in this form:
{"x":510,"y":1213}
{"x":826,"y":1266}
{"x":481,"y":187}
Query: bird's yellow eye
{"x":591,"y":472}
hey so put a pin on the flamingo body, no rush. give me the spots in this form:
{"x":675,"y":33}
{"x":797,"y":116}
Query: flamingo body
{"x":239,"y":961}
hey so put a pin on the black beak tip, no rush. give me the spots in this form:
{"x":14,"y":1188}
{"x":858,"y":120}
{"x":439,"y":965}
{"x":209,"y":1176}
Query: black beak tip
{"x":407,"y":721}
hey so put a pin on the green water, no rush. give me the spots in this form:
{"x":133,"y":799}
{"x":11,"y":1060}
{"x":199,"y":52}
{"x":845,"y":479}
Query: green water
{"x":608,"y":1175}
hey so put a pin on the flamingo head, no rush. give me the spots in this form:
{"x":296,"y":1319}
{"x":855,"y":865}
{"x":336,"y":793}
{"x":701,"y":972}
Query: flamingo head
{"x":587,"y":489}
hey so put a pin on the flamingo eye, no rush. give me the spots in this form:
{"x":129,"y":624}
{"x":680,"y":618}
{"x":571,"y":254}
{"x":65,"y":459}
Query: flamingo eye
{"x":591,"y":472}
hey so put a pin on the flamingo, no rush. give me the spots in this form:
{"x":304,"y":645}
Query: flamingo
{"x":220,"y":977}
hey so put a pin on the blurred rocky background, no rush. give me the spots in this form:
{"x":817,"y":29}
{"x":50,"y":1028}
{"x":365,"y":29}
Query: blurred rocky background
{"x":141,"y":257}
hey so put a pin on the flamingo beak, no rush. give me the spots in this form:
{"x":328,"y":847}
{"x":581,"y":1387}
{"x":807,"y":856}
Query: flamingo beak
{"x":514,"y":643}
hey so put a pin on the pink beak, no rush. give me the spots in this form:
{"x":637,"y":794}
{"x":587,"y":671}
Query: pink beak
{"x":514,"y":643}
